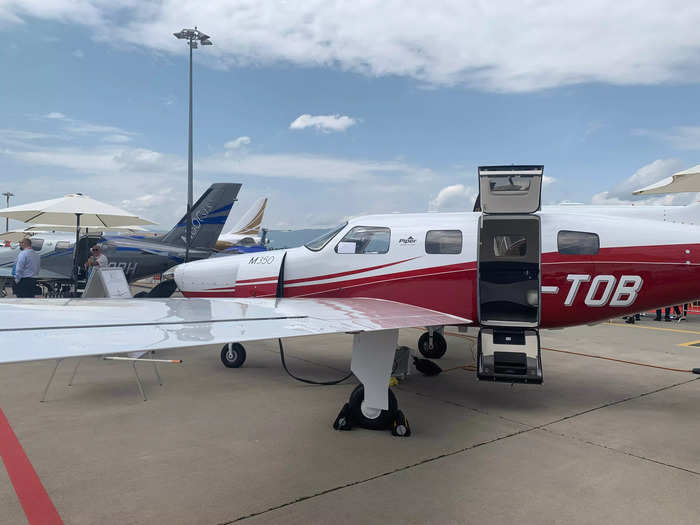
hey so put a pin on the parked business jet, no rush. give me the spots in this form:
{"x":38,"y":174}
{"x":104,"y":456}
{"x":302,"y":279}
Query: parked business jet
{"x":247,"y":231}
{"x":510,"y":270}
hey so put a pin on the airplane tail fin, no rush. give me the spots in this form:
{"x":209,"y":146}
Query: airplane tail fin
{"x":209,"y":215}
{"x":250,"y":222}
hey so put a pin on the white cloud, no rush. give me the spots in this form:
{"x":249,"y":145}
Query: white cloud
{"x":498,"y":46}
{"x":679,"y":137}
{"x":457,"y":197}
{"x":621,"y":193}
{"x":547,"y":181}
{"x":323,"y":122}
{"x":78,"y":53}
{"x":310,"y":167}
{"x":116,"y":138}
{"x":238,"y":143}
{"x":18,"y":134}
{"x":80,"y":127}
{"x":122,"y":173}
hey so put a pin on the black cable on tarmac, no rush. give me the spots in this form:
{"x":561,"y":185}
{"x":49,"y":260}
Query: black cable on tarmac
{"x":308,"y":381}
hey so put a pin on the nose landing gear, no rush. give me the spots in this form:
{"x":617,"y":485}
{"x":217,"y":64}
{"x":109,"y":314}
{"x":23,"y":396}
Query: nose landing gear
{"x":233,"y":355}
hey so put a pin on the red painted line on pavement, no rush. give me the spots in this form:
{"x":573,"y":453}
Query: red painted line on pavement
{"x":36,"y":503}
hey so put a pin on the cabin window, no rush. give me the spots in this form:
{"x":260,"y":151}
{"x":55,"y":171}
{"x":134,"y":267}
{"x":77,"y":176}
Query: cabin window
{"x":443,"y":241}
{"x":509,"y":245}
{"x":319,"y":242}
{"x":37,"y":244}
{"x":577,"y":243}
{"x":63,"y":245}
{"x":365,"y":239}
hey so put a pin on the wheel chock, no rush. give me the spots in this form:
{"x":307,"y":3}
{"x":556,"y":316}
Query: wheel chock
{"x":400,"y":428}
{"x":342,"y":422}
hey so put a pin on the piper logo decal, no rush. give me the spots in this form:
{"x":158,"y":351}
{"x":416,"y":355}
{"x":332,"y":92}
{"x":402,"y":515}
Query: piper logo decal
{"x":602,"y":290}
{"x":408,"y":240}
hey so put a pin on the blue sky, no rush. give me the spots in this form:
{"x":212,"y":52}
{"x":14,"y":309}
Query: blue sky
{"x":396,"y":103}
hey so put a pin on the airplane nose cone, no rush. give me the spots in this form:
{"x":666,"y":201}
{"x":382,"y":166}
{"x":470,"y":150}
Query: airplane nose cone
{"x":207,"y":278}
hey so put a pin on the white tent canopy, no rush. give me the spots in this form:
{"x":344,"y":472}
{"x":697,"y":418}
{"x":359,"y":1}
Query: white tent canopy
{"x":64,"y":211}
{"x":683,"y":181}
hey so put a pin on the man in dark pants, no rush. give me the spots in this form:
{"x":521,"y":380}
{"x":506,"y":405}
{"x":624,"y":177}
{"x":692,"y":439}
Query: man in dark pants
{"x":26,"y":270}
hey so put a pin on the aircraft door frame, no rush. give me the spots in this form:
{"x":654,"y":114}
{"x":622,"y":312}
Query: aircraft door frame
{"x":509,"y":274}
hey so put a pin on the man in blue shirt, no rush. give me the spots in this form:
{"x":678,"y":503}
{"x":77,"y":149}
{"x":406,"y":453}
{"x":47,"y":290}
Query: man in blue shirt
{"x":27,"y":269}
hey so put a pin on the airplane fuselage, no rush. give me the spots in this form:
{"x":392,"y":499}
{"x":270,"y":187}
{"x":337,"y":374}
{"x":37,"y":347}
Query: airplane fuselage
{"x":637,"y":267}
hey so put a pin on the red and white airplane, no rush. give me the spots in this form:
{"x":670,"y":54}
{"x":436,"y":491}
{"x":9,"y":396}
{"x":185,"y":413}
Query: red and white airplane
{"x":511,"y":270}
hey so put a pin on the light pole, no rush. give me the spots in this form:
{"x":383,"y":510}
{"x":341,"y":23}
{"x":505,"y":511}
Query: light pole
{"x":7,"y":195}
{"x":194,"y":37}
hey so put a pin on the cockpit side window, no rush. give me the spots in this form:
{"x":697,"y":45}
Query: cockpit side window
{"x":319,"y":242}
{"x":37,"y":244}
{"x":365,"y":239}
{"x":578,"y":243}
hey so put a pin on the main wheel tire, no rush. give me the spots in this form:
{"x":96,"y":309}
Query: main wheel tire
{"x":233,"y":355}
{"x":383,"y":421}
{"x":439,"y":345}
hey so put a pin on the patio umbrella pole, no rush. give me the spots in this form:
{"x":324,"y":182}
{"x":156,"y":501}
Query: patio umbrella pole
{"x":75,"y":252}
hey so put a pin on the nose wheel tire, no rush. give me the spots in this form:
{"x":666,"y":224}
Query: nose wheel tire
{"x":233,"y":355}
{"x":438,"y":348}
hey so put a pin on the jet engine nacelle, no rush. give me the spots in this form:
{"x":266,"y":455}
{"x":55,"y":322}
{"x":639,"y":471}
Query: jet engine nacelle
{"x":249,"y":275}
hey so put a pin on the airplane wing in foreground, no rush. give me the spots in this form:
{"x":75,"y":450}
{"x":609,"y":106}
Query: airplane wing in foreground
{"x":35,"y":329}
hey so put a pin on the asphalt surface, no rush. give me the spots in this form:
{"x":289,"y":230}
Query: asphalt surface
{"x":599,"y":442}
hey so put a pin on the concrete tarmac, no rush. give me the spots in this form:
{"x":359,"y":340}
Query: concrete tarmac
{"x":599,"y":442}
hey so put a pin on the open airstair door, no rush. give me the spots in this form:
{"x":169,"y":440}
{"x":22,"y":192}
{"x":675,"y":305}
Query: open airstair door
{"x":509,"y":274}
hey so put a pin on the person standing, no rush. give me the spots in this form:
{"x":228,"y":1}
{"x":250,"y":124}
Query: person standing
{"x":98,"y":258}
{"x":26,"y":270}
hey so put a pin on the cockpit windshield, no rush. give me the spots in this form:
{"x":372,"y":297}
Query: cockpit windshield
{"x":319,"y":242}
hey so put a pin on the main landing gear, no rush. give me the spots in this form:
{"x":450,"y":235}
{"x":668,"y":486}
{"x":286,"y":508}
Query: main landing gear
{"x":233,"y":355}
{"x":372,"y":405}
{"x":356,"y":414}
{"x":432,"y":343}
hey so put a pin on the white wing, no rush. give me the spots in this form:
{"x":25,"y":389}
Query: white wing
{"x":34,"y":329}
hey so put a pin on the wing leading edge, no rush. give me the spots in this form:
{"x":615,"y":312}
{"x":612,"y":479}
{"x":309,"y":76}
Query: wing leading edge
{"x":35,"y":329}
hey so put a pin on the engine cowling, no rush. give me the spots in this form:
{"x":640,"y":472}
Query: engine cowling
{"x":249,"y":275}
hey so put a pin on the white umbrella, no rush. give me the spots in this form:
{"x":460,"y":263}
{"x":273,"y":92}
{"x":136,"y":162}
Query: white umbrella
{"x":61,"y":228}
{"x":18,"y":235}
{"x":686,"y":180}
{"x":15,"y":235}
{"x":75,"y":209}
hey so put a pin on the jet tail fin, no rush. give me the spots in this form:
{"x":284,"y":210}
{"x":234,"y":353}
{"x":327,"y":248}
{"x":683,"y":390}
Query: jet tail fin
{"x":250,"y":223}
{"x":209,"y":215}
